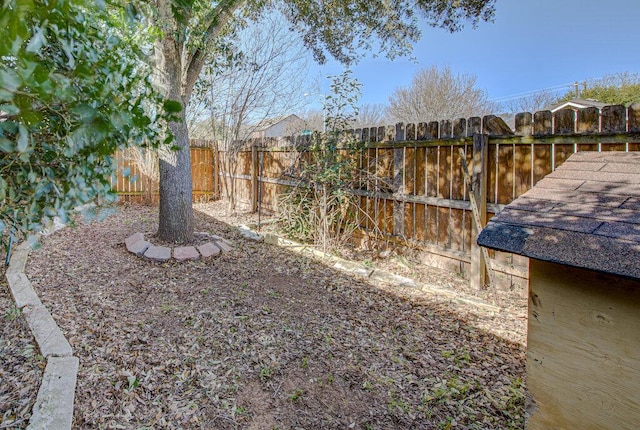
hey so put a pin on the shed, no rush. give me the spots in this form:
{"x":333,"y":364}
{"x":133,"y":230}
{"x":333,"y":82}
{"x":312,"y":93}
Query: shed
{"x":580,"y":228}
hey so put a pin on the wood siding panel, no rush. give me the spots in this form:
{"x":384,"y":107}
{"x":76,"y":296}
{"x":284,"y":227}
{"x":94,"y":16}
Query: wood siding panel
{"x":583,"y":349}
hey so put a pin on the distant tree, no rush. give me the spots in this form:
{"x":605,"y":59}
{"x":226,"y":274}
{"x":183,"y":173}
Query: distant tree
{"x":314,"y":119}
{"x":72,"y":91}
{"x":264,"y":77}
{"x":619,"y":88}
{"x":540,"y":100}
{"x":371,"y":115}
{"x":437,"y":94}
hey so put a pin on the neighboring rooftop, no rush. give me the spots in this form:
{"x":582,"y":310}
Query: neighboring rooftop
{"x":584,"y":214}
{"x":577,"y":104}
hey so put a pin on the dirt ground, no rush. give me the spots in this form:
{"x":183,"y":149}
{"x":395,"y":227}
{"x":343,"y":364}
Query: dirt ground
{"x":263,"y":338}
{"x":21,"y":366}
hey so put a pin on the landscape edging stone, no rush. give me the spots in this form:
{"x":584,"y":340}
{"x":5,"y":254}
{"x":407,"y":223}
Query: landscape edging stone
{"x":53,"y":409}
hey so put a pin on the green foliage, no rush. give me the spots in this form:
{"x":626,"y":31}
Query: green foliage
{"x":618,"y":89}
{"x":12,"y":313}
{"x":347,"y":29}
{"x":72,"y":91}
{"x":320,"y":210}
{"x":296,"y":395}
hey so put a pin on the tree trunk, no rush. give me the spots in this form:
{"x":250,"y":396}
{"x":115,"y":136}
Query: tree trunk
{"x":176,"y":213}
{"x":178,"y":69}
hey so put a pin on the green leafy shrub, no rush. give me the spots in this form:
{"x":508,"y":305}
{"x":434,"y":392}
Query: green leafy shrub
{"x":72,"y":91}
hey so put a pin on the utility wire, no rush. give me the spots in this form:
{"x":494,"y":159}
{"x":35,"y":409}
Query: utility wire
{"x":553,"y":88}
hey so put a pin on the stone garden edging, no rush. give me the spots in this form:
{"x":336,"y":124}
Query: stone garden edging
{"x":53,"y":409}
{"x":138,"y":245}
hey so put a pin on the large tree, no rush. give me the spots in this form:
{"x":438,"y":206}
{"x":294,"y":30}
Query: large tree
{"x":371,"y":115}
{"x":338,"y":28}
{"x":436,"y":94}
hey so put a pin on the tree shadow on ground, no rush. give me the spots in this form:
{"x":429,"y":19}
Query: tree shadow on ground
{"x":262,"y":337}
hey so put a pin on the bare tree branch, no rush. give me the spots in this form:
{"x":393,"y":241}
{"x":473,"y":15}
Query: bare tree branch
{"x":439,"y":94}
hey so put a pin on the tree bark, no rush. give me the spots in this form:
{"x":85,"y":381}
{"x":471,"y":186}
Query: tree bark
{"x":180,"y":66}
{"x":175,"y":223}
{"x":176,"y":213}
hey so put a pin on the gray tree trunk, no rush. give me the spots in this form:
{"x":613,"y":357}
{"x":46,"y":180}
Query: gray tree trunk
{"x":178,"y":67}
{"x":176,"y":213}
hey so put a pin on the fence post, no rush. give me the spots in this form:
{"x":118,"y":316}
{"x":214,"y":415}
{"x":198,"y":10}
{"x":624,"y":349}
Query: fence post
{"x":478,"y":270}
{"x":398,"y":179}
{"x":216,"y":170}
{"x":254,"y":178}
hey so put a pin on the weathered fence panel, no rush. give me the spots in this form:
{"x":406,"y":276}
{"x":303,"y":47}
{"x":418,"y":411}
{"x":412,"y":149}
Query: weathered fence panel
{"x":411,"y":184}
{"x":132,"y":185}
{"x":409,"y":177}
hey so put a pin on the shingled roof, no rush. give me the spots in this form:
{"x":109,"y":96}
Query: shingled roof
{"x":584,"y":214}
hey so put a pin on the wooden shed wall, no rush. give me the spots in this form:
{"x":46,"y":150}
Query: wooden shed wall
{"x":583,"y":352}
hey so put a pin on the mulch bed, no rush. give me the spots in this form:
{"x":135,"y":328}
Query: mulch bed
{"x":21,"y":366}
{"x":263,"y":338}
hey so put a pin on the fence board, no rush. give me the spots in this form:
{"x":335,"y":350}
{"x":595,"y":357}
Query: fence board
{"x":542,"y":122}
{"x":432,"y":172}
{"x":420,"y":222}
{"x":442,"y":174}
{"x":429,"y":205}
{"x":459,"y":128}
{"x":541,"y":162}
{"x":457,"y":179}
{"x":614,"y":119}
{"x":433,"y":130}
{"x":444,"y":221}
{"x":523,"y":164}
{"x":612,"y":146}
{"x":493,"y":174}
{"x":421,"y":171}
{"x":457,"y":229}
{"x":505,"y":174}
{"x":587,"y":147}
{"x":409,"y":171}
{"x":561,"y":153}
{"x":432,"y":224}
{"x":564,"y":121}
{"x":524,"y":123}
{"x":588,"y":120}
{"x":381,"y":224}
{"x":474,"y":126}
{"x":633,"y":125}
{"x":409,"y":221}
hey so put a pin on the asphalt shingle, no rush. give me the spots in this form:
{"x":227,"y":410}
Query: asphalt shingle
{"x":584,"y":214}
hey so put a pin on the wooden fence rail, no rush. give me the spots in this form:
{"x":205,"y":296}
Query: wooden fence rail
{"x":133,"y":183}
{"x":423,"y":200}
{"x":419,"y":197}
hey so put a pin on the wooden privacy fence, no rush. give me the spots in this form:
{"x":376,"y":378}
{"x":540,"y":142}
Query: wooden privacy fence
{"x":137,"y":182}
{"x":424,"y":201}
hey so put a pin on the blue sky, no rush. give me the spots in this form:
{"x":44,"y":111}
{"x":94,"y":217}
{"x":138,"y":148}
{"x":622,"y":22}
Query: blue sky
{"x":531,"y":45}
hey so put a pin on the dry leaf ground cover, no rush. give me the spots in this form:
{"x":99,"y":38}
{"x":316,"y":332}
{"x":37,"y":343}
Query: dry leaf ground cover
{"x":21,"y":366}
{"x":262,"y":338}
